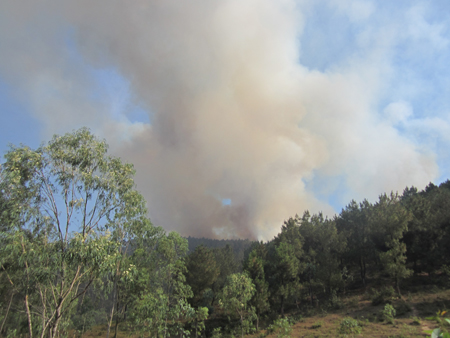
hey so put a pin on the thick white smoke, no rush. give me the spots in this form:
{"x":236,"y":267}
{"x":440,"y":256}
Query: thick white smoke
{"x":234,"y":114}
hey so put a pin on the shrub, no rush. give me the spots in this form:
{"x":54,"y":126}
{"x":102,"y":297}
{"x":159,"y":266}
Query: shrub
{"x":281,"y":327}
{"x":388,"y":313}
{"x":349,"y":326}
{"x":335,"y":302}
{"x":217,"y":333}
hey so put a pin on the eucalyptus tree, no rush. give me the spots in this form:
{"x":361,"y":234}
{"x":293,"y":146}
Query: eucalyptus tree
{"x":161,"y":306}
{"x":235,"y":297}
{"x":65,"y":203}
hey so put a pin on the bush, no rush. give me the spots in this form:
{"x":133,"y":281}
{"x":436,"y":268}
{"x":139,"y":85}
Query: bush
{"x":335,"y":302}
{"x":281,"y":327}
{"x":385,"y":295}
{"x":388,"y":313}
{"x":349,"y":326}
{"x":217,"y":333}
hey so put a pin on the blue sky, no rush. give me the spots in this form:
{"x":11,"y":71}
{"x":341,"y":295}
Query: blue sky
{"x":238,"y":114}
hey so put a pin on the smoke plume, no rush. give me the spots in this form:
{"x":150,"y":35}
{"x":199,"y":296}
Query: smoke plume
{"x":233,"y":113}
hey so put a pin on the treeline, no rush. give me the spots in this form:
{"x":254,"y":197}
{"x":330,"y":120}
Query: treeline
{"x":77,"y":250}
{"x":314,"y":259}
{"x":239,"y":246}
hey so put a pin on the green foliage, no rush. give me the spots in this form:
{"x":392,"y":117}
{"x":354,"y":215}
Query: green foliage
{"x":217,"y":333}
{"x":349,"y":326}
{"x":201,"y":273}
{"x":227,"y":264}
{"x":74,"y":229}
{"x":284,"y":265}
{"x":239,"y":246}
{"x":385,"y":295}
{"x":335,"y":302}
{"x":235,"y":297}
{"x":255,"y":268}
{"x":323,"y":248}
{"x":281,"y":327}
{"x":390,"y":219}
{"x":354,"y":225}
{"x":443,"y":323}
{"x":161,"y":306}
{"x":89,"y":314}
{"x":388,"y":313}
{"x":63,"y":204}
{"x":198,"y":320}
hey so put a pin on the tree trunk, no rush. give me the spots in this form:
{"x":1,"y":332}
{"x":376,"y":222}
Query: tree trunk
{"x":362,"y":265}
{"x":54,"y":327}
{"x":7,"y":311}
{"x":108,"y":329}
{"x":111,"y":316}
{"x":257,"y":322}
{"x":117,"y":324}
{"x":397,"y":285}
{"x":242,"y":327}
{"x":27,"y":307}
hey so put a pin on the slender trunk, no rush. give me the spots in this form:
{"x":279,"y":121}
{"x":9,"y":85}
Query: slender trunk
{"x":27,"y":307}
{"x":242,"y":327}
{"x":397,"y":284}
{"x":196,"y":328}
{"x":117,"y":321}
{"x":362,"y":265}
{"x":114,"y":301}
{"x":54,"y":327}
{"x":43,"y":311}
{"x":282,"y":306}
{"x":7,"y":311}
{"x":110,"y":320}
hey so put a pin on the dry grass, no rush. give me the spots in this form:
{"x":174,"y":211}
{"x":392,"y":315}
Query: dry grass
{"x":410,"y":322}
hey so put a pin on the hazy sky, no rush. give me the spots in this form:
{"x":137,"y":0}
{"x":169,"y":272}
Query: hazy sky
{"x":237,"y":114}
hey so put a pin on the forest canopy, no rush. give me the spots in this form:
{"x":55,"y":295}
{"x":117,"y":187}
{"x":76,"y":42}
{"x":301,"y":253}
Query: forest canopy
{"x":77,"y":249}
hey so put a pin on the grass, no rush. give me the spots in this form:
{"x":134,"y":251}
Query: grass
{"x":410,"y":319}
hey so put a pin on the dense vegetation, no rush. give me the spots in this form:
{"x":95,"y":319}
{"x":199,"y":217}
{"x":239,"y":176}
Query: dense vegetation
{"x":77,"y":250}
